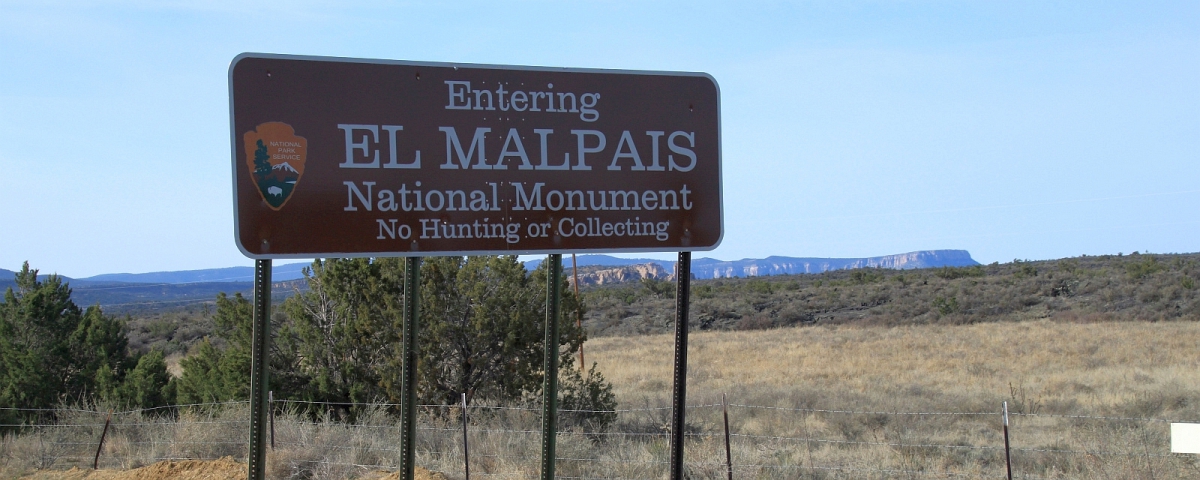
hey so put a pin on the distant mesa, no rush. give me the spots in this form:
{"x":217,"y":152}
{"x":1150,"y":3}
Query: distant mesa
{"x":712,"y":268}
{"x":129,"y":290}
{"x":604,"y":275}
{"x":606,"y":269}
{"x":603,"y":269}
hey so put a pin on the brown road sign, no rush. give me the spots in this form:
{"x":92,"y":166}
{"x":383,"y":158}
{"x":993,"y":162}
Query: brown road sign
{"x":349,"y":157}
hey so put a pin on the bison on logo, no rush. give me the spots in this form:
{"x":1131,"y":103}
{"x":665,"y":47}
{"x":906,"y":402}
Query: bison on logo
{"x":276,"y":157}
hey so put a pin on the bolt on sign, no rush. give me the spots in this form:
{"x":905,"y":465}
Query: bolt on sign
{"x":349,"y":157}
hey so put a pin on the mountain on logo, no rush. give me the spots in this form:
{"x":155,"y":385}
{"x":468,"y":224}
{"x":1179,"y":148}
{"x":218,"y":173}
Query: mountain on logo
{"x":275,"y":156}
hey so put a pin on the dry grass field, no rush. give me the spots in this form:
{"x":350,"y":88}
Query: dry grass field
{"x":1110,"y":368}
{"x":1089,"y":401}
{"x":1045,"y":370}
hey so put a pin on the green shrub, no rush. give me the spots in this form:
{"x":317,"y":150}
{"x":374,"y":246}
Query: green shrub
{"x":1141,"y":269}
{"x":589,"y":400}
{"x":945,"y":306}
{"x":951,"y":273}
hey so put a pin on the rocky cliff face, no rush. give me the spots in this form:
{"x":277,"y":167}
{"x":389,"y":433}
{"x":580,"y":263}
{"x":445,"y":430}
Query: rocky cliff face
{"x":705,"y":268}
{"x":628,"y":273}
{"x":712,"y":268}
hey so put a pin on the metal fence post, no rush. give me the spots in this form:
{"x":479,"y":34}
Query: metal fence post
{"x":1007,"y":457}
{"x":728,"y":456}
{"x":408,"y":384}
{"x":550,"y":367}
{"x":683,"y":276}
{"x":258,"y":369}
{"x":271,"y":415}
{"x":104,"y":433}
{"x":466,"y":454}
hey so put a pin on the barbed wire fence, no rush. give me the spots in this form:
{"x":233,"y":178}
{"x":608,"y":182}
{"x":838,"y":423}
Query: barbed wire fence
{"x":764,"y":441}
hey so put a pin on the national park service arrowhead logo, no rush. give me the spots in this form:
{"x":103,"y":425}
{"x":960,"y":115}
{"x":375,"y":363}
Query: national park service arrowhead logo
{"x":276,"y":157}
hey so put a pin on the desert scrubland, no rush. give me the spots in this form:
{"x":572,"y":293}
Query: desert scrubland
{"x":1088,"y":400}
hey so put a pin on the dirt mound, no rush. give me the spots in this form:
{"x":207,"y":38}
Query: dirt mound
{"x":174,"y":469}
{"x":418,"y":473}
{"x":192,"y":470}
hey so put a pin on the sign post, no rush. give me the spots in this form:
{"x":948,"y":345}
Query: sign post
{"x":259,"y":403}
{"x":337,"y":157}
{"x":550,"y":367}
{"x":408,"y":384}
{"x":683,"y":275}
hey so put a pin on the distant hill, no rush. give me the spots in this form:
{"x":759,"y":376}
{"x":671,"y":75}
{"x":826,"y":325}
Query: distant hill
{"x":1146,"y":287}
{"x":132,"y":292}
{"x":706,"y":268}
{"x":279,"y":273}
{"x":8,"y":278}
{"x":121,"y":293}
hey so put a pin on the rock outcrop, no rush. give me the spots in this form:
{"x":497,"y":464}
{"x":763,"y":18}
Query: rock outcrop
{"x":603,"y":269}
{"x":711,"y":268}
{"x":629,"y":273}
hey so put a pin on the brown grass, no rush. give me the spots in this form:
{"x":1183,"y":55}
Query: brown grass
{"x":1041,"y":368}
{"x":1091,"y":367}
{"x":1090,"y":400}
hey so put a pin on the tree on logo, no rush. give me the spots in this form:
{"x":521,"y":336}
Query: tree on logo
{"x":262,"y":164}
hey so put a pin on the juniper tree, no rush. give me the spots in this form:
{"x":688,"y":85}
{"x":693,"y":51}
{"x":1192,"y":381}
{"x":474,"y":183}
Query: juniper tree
{"x":339,"y":341}
{"x":345,"y":329}
{"x":52,"y":351}
{"x":218,"y":367}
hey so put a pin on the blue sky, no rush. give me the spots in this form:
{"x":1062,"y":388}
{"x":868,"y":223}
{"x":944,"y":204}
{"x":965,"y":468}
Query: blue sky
{"x":1027,"y":130}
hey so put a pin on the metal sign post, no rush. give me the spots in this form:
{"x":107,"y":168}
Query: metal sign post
{"x":550,"y":380}
{"x":258,"y":369}
{"x":579,"y":317}
{"x":683,"y":277}
{"x":408,"y":384}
